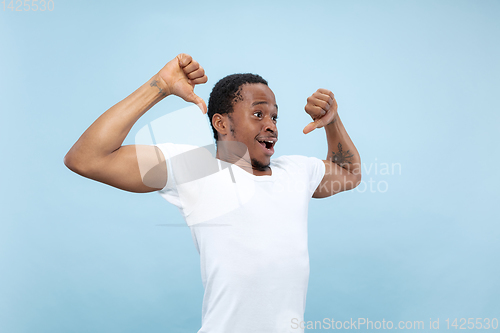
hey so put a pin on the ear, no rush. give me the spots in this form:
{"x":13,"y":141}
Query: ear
{"x":221,"y":124}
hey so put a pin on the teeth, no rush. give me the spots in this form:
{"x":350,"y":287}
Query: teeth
{"x":271,"y":142}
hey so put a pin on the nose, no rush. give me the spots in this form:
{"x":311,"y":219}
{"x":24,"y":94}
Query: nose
{"x":270,"y":126}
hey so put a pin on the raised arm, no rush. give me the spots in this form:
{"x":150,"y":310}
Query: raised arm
{"x":99,"y":155}
{"x":343,"y":163}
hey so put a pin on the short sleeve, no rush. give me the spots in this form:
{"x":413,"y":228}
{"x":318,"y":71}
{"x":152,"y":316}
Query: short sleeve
{"x":170,"y":191}
{"x":188,"y":168}
{"x":316,"y":172}
{"x":309,"y":171}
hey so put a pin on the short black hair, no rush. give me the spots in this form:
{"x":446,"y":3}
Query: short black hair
{"x":226,"y":92}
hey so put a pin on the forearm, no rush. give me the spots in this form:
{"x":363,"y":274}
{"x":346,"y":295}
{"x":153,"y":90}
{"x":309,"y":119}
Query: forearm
{"x":109,"y":131}
{"x":341,"y":149}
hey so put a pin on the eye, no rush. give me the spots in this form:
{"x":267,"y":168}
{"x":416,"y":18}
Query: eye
{"x":258,"y":114}
{"x":275,"y":118}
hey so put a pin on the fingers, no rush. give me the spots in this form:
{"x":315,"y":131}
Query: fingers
{"x":325,"y":93}
{"x":200,"y":80}
{"x":190,"y":66}
{"x":321,"y":106}
{"x":192,"y":69}
{"x":314,"y":110}
{"x":184,"y":59}
{"x":319,"y":103}
{"x":198,"y":73}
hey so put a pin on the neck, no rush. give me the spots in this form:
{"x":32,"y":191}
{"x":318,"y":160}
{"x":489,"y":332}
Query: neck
{"x":240,"y":158}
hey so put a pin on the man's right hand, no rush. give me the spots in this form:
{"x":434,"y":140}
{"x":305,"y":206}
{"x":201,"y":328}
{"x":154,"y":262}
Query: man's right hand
{"x":99,"y":153}
{"x":179,"y":76}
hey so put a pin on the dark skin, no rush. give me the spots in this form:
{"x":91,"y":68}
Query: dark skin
{"x":252,"y":122}
{"x":99,"y":154}
{"x":254,"y":118}
{"x":343,"y":163}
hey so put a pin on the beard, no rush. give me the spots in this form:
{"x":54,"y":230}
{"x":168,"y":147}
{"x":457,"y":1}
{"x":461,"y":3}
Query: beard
{"x":259,"y":166}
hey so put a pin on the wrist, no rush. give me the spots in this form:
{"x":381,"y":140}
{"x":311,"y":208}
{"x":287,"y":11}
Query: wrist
{"x":334,"y":120}
{"x":159,"y":86}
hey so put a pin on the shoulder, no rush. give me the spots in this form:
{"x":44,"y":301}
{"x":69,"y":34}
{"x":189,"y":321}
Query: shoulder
{"x":310,"y":169}
{"x":299,"y":164}
{"x":297,"y":161}
{"x":170,"y":150}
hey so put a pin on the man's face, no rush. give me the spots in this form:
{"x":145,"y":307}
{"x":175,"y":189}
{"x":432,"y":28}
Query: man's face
{"x":253,"y":122}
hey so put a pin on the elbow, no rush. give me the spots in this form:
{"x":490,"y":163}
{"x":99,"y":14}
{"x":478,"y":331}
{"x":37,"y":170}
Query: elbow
{"x":355,"y":180}
{"x":72,"y":163}
{"x":356,"y":175}
{"x":69,"y":162}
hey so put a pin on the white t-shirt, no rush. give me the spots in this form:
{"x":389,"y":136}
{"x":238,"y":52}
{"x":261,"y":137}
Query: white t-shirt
{"x":251,"y":234}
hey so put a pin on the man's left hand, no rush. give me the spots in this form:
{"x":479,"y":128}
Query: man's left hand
{"x":322,"y":107}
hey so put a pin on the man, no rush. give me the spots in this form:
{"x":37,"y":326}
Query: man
{"x":255,"y":264}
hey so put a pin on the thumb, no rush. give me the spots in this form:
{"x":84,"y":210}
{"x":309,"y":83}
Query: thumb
{"x":317,"y":123}
{"x":198,"y":101}
{"x":201,"y":104}
{"x":310,"y":127}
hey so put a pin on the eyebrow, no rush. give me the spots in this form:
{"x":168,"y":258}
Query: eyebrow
{"x":263,"y":102}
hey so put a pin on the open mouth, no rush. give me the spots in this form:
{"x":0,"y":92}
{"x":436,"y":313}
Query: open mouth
{"x":268,"y":144}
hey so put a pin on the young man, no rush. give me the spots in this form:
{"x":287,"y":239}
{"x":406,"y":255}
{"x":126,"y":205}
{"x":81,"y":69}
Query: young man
{"x":255,"y":262}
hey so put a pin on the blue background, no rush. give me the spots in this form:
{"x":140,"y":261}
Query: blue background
{"x":417,"y":85}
